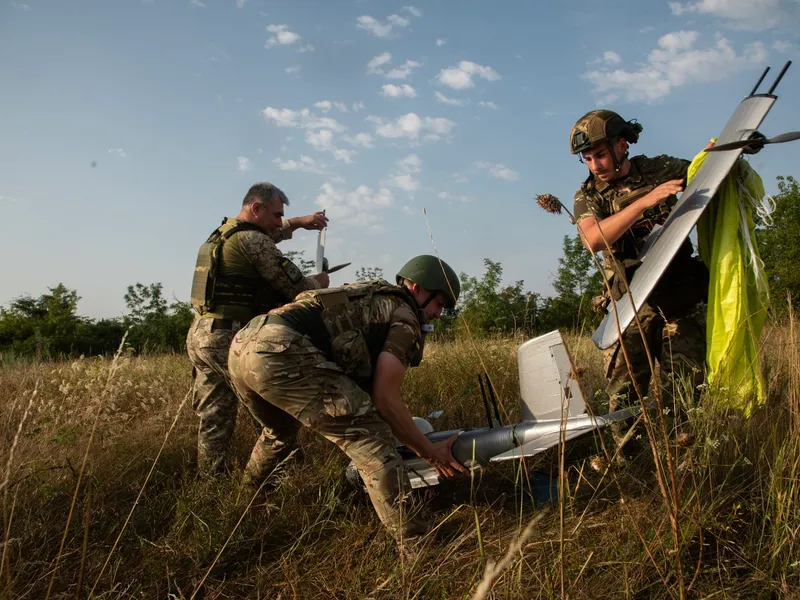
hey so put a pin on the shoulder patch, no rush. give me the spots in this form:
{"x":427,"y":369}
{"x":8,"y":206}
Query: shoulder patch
{"x":292,"y":272}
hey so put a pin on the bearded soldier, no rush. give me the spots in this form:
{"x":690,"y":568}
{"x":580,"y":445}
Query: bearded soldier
{"x":334,"y":361}
{"x":619,"y":204}
{"x":240,"y":273}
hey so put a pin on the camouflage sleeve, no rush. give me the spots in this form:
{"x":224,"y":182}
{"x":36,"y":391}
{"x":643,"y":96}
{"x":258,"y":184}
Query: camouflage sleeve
{"x":584,"y":207}
{"x":284,"y":232}
{"x":273,"y":266}
{"x":404,"y":338}
{"x":670,"y":168}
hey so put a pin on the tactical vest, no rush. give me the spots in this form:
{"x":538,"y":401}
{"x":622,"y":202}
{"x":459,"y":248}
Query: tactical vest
{"x":226,"y":287}
{"x":340,"y":322}
{"x":685,"y":281}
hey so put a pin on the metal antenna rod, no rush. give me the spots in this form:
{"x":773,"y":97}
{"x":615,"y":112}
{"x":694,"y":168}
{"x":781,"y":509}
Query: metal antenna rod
{"x":485,"y":402}
{"x":494,"y":400}
{"x":780,"y":76}
{"x":760,"y":79}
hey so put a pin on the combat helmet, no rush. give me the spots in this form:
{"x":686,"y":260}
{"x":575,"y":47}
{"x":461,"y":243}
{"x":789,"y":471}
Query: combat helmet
{"x":601,"y":125}
{"x":434,"y":275}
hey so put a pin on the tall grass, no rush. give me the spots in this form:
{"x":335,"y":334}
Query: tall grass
{"x":149,"y":528}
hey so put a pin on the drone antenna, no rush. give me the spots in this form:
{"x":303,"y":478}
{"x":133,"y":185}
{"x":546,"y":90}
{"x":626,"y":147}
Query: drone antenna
{"x":780,"y":76}
{"x":760,"y":79}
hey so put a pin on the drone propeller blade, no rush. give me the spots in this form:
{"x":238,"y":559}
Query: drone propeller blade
{"x":789,"y":136}
{"x":756,"y":142}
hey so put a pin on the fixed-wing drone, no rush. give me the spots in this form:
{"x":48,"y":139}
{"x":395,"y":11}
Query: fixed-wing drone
{"x":553,"y":411}
{"x":739,"y":135}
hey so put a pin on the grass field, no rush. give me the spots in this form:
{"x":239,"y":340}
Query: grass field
{"x":134,"y":521}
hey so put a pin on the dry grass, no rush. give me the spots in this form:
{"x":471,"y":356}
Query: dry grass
{"x":314,"y":537}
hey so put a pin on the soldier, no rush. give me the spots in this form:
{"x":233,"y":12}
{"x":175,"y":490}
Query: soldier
{"x":620,"y":203}
{"x":334,"y":361}
{"x":240,"y":273}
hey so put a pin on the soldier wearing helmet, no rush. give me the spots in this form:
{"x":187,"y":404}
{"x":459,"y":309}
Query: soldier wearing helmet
{"x":334,"y":361}
{"x":620,"y":203}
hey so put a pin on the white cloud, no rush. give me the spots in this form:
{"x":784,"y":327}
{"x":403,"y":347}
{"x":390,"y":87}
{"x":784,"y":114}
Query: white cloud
{"x":414,"y":11}
{"x":612,"y":58}
{"x":488,"y":104}
{"x":405,"y":182}
{"x":303,"y":118}
{"x":355,"y":208}
{"x":382,"y":30}
{"x":460,"y":76}
{"x":327,"y":105}
{"x":646,"y":29}
{"x":364,"y":140}
{"x":674,"y":63}
{"x":440,"y":97}
{"x":20,"y":6}
{"x":306,"y":164}
{"x":741,"y":14}
{"x":294,"y":69}
{"x":358,"y":106}
{"x":410,"y":164}
{"x":403,"y":70}
{"x":240,"y":3}
{"x":499,"y":171}
{"x":282,"y":36}
{"x":322,"y":141}
{"x":374,"y":65}
{"x":243,"y":164}
{"x":306,"y":48}
{"x":196,"y":3}
{"x":782,"y":46}
{"x":440,"y":42}
{"x":118,"y":152}
{"x":412,"y":126}
{"x":398,"y":91}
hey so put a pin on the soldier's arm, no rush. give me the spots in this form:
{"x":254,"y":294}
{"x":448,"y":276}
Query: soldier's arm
{"x":389,"y":374}
{"x":261,"y":251}
{"x":593,"y":231}
{"x":284,"y":232}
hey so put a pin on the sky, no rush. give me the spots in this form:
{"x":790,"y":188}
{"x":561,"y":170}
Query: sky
{"x":129,"y":129}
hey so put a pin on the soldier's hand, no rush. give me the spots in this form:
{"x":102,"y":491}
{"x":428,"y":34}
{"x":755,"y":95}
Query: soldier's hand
{"x":316,"y":221}
{"x":323,"y":278}
{"x":441,"y":458}
{"x":662,"y":192}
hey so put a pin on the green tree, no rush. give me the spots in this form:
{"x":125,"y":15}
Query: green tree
{"x":307,"y":267}
{"x":155,"y":325}
{"x":487,"y":307}
{"x":367,"y":273}
{"x":577,"y":281}
{"x":778,"y":244}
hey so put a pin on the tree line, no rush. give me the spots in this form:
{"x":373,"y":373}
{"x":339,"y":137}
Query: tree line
{"x":49,"y":326}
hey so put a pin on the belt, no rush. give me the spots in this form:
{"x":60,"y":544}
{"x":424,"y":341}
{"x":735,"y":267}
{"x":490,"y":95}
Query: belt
{"x":225,"y":324}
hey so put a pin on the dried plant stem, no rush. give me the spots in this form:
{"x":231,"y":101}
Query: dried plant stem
{"x":139,"y":495}
{"x":112,"y":370}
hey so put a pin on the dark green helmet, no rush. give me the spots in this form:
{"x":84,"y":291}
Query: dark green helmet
{"x":434,"y":275}
{"x":601,"y":126}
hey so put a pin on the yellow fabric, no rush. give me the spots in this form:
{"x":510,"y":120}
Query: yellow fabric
{"x":738,"y":295}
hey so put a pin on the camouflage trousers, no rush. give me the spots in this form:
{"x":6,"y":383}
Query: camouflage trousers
{"x":677,"y":345}
{"x":213,"y":398}
{"x":287,"y":382}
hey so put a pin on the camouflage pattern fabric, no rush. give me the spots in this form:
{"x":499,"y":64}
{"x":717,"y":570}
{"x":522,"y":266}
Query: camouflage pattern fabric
{"x":286,"y":381}
{"x":213,"y":399}
{"x":259,"y":250}
{"x":673,"y":319}
{"x":207,"y":345}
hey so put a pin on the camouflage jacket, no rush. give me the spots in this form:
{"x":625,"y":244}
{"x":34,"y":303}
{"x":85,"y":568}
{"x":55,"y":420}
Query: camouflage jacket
{"x":600,"y":200}
{"x":353,"y":324}
{"x":685,"y":276}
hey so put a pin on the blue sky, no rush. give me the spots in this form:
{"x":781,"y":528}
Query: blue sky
{"x":373,"y":110}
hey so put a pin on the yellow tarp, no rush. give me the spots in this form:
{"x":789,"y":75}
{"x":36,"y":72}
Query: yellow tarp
{"x":738,"y":295}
